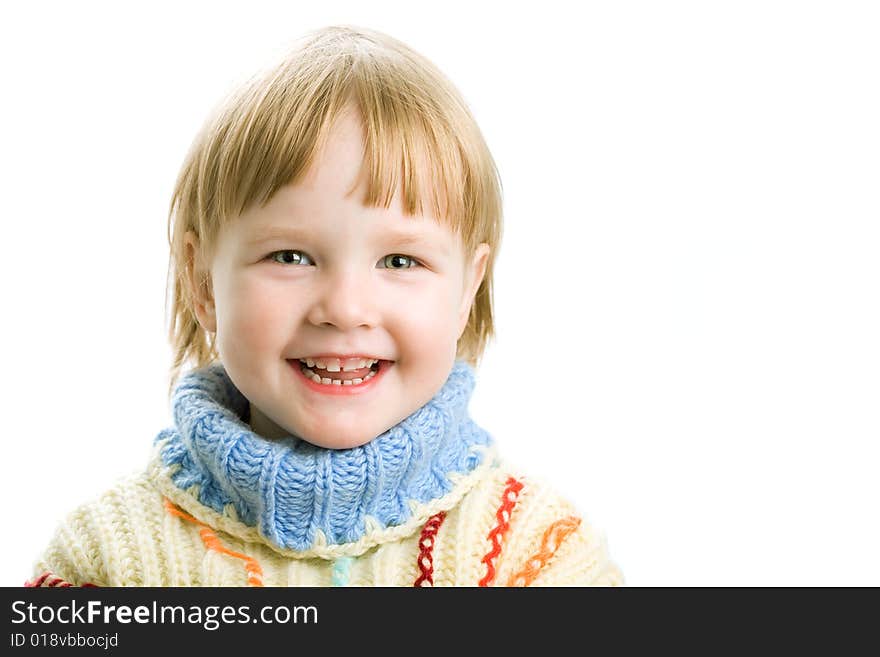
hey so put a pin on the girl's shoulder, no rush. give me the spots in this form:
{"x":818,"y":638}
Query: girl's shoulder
{"x":531,"y":534}
{"x":99,"y":542}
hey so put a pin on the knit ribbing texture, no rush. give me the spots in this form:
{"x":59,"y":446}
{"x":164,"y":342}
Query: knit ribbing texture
{"x":291,"y":490}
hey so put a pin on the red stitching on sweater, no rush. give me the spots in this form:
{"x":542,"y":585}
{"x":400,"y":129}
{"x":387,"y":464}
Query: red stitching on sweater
{"x":508,"y":502}
{"x":54,"y":582}
{"x":426,"y":549}
{"x":37,"y":583}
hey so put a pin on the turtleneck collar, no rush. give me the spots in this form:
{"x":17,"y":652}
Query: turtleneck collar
{"x":300,"y":497}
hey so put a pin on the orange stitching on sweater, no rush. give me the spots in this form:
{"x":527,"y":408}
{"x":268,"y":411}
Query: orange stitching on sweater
{"x":552,"y":539}
{"x":209,"y":538}
{"x":508,"y":501}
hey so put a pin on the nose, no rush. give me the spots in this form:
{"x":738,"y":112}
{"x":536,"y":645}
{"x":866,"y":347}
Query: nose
{"x":345,"y":299}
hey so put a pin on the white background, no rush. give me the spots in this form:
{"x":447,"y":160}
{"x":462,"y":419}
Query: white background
{"x":687,"y":290}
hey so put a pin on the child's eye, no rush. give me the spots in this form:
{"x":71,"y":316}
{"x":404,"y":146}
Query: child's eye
{"x":397,"y":259}
{"x":296,"y":260}
{"x":393,"y":261}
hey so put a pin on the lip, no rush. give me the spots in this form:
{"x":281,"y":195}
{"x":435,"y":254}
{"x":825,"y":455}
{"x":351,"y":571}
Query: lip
{"x":340,"y":356}
{"x":340,"y":390}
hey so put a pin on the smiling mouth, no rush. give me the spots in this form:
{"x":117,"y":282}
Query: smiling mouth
{"x":352,"y":377}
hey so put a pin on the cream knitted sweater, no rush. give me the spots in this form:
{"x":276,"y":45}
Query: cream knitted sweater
{"x":429,"y":503}
{"x":496,"y":529}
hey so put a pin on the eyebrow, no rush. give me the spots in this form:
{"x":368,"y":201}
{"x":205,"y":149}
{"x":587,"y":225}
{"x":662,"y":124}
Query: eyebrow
{"x":275,"y":233}
{"x":398,"y":238}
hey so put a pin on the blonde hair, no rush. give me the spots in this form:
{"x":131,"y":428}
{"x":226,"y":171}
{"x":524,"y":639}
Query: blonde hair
{"x":265,"y":134}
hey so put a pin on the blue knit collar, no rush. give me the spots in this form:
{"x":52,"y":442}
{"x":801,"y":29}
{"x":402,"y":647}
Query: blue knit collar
{"x":298,"y":495}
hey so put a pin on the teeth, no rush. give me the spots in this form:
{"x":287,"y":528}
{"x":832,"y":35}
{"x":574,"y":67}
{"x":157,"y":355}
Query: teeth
{"x":335,"y":382}
{"x":335,"y":365}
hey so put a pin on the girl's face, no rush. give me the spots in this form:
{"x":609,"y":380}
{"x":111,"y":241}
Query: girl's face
{"x":314,"y":272}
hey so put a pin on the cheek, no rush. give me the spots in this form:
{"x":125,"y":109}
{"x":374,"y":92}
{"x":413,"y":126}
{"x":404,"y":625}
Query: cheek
{"x":428,"y":317}
{"x":256,"y":314}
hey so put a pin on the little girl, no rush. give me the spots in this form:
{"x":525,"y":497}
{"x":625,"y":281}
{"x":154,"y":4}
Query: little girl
{"x":333,"y":232}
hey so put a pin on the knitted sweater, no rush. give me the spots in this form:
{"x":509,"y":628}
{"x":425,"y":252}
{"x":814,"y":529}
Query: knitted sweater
{"x":427,"y":503}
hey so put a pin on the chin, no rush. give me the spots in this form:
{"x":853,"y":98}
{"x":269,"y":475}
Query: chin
{"x":334,"y":441}
{"x":342,"y":431}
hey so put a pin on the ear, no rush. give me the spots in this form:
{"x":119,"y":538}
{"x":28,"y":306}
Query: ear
{"x":475,"y":269}
{"x":198,"y":277}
